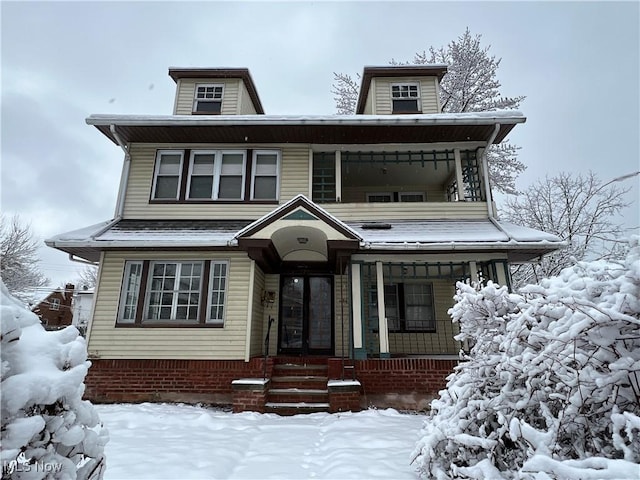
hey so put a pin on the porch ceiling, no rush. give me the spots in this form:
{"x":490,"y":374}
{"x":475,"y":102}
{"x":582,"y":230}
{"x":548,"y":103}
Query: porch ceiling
{"x":353,"y":129}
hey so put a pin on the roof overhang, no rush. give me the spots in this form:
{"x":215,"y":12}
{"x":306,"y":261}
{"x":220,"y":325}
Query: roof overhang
{"x":333,"y":129}
{"x":369,"y":73}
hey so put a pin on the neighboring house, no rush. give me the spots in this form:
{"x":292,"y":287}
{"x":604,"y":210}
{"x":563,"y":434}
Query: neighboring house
{"x":350,"y":231}
{"x":82,"y":303}
{"x":55,"y":310}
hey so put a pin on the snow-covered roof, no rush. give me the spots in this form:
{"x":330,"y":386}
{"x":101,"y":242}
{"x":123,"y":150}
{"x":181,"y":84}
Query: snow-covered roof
{"x":397,"y":235}
{"x":471,"y":118}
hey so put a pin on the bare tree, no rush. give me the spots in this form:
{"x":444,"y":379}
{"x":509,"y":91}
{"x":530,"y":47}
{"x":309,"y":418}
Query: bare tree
{"x":87,"y":277}
{"x":580,"y":209}
{"x":470,"y":85}
{"x":19,"y":260}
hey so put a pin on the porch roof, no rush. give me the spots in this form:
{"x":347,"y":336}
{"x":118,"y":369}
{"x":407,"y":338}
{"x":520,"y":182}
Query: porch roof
{"x":325,"y":129}
{"x":520,"y":243}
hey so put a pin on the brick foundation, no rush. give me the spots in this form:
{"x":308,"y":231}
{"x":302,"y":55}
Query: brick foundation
{"x":191,"y":381}
{"x":344,"y":396}
{"x":403,"y":383}
{"x":249,"y":395}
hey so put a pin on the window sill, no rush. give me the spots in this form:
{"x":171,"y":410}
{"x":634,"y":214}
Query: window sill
{"x":213,"y":202}
{"x":169,"y":325}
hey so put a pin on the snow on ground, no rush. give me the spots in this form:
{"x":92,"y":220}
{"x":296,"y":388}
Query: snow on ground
{"x":166,"y":441}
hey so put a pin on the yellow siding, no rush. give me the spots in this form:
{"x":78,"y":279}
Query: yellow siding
{"x":271,"y":284}
{"x":433,"y":193}
{"x":381,"y":92}
{"x":295,"y":179}
{"x":186,"y":91}
{"x":295,"y":172}
{"x":107,"y":341}
{"x":258,"y":314}
{"x":246,"y":105}
{"x":416,"y":211}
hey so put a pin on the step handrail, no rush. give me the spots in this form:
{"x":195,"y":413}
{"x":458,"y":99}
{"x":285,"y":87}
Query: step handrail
{"x":266,"y":348}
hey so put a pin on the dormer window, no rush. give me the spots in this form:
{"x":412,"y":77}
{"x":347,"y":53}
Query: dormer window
{"x":208,"y":99}
{"x":405,"y":98}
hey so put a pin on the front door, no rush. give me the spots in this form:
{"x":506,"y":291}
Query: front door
{"x":306,"y":315}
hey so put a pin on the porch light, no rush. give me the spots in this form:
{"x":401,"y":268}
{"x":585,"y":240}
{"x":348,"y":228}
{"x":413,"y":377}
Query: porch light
{"x":268,"y":298}
{"x":303,"y":240}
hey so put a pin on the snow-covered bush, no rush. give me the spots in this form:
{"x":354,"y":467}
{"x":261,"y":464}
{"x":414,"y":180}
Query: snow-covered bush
{"x":551,"y":386}
{"x":48,"y":431}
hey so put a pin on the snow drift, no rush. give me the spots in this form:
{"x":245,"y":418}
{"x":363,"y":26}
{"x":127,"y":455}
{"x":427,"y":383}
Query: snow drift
{"x":48,"y":431}
{"x":550,"y":388}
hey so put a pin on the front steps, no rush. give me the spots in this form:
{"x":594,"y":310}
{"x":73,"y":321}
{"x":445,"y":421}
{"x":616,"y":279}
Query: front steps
{"x":298,"y":385}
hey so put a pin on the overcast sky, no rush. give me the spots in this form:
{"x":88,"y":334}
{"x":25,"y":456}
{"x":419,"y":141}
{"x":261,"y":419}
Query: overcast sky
{"x":577,"y":63}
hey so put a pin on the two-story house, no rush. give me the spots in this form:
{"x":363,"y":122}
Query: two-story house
{"x":349,"y":232}
{"x":56,"y":309}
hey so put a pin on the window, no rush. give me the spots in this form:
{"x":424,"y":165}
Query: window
{"x":166,"y":184}
{"x":380,"y":197}
{"x":208,"y":99}
{"x":411,"y":196}
{"x":405,"y":98}
{"x":323,"y":188}
{"x":216,"y":175}
{"x":409,"y":307}
{"x":54,"y":304}
{"x":130,"y":291}
{"x":264,"y":175}
{"x":180,"y":293}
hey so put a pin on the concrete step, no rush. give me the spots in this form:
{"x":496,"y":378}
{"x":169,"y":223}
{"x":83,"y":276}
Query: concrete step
{"x":296,"y":408}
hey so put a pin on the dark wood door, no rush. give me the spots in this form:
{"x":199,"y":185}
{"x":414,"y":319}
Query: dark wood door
{"x":306,"y":315}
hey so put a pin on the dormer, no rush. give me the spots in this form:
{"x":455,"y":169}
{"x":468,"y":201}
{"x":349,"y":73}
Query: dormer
{"x":402,"y":89}
{"x":215,"y":91}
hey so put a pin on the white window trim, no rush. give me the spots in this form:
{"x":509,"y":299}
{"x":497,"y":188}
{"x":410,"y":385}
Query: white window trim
{"x":225,"y":305}
{"x":406,"y":84}
{"x":156,"y":172}
{"x":404,"y":194}
{"x":124,"y":291}
{"x":204,"y":100}
{"x":54,"y":304}
{"x":254,"y":164}
{"x":217,"y":169}
{"x":174,"y":303}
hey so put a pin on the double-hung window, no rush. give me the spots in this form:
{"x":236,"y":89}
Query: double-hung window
{"x":216,"y":175}
{"x":166,"y":184}
{"x":264,"y":175}
{"x":405,"y":98}
{"x":54,"y":304}
{"x":208,"y":99}
{"x":409,"y":307}
{"x":174,"y":293}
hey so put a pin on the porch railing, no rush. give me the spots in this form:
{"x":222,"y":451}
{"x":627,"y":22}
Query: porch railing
{"x":266,"y":348}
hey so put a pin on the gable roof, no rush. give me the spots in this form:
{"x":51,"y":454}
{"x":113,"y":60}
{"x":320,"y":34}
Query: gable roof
{"x":242,"y":73}
{"x":290,"y":209}
{"x":434,"y":70}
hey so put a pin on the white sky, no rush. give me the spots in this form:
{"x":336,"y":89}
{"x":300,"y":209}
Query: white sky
{"x":578,"y":64}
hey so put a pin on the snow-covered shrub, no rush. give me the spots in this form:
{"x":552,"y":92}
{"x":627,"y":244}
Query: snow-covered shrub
{"x":551,"y":387}
{"x":48,"y":431}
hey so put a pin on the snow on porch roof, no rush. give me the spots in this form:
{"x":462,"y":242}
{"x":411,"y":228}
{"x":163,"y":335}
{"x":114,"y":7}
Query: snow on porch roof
{"x":521,"y":243}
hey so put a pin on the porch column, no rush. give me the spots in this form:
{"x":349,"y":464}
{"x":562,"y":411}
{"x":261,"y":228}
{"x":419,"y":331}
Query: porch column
{"x":359,"y":352}
{"x":383,"y":330}
{"x":459,"y":178}
{"x":473,"y":267}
